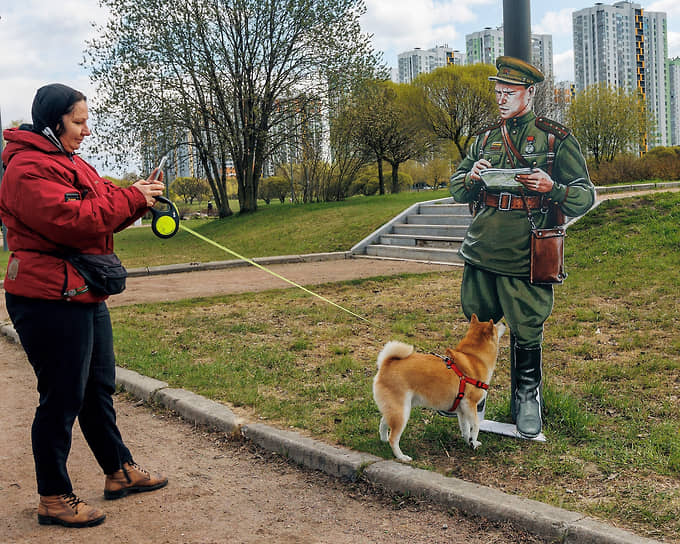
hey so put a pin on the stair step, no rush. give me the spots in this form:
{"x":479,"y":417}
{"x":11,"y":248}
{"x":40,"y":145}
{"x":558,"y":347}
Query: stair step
{"x":451,"y":242}
{"x":414,"y":253}
{"x":439,"y":219}
{"x":430,"y":230}
{"x":448,"y":209}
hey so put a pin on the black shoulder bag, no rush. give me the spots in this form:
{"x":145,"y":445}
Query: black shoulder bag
{"x":103,"y":274}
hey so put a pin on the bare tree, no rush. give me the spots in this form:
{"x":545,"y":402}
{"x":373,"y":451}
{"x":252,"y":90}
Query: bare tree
{"x":216,"y":70}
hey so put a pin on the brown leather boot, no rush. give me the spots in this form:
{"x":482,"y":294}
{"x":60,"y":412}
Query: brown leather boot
{"x":68,"y":510}
{"x":131,"y":479}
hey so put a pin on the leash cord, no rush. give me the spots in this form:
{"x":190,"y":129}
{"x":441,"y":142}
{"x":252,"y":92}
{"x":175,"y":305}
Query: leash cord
{"x":250,"y":261}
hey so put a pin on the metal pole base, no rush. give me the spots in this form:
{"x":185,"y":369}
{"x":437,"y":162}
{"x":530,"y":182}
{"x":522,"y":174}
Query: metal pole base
{"x":506,"y":429}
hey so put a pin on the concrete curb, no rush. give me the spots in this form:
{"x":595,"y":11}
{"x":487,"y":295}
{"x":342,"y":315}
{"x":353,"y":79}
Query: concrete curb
{"x":199,"y":410}
{"x":605,"y":189}
{"x":221,"y":265}
{"x":338,"y":462}
{"x":543,"y":520}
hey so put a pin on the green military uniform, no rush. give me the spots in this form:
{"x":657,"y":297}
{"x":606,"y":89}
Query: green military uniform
{"x":497,"y":244}
{"x":498,"y":240}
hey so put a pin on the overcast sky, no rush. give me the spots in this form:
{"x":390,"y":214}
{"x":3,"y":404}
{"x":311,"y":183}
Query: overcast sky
{"x":42,"y":41}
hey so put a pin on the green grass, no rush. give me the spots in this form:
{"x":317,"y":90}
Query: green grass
{"x":272,"y":230}
{"x":277,"y":229}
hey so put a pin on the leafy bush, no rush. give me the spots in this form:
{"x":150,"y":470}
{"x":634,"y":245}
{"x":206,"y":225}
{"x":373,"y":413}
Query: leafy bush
{"x":659,"y":163}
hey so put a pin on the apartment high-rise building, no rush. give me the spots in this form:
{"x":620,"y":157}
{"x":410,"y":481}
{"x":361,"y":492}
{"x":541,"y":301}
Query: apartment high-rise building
{"x":542,"y":54}
{"x":674,"y":100}
{"x":486,"y":46}
{"x":422,"y":61}
{"x":656,"y":71}
{"x":624,"y":46}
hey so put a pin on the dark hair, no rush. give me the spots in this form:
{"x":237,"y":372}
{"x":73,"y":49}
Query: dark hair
{"x":50,"y":104}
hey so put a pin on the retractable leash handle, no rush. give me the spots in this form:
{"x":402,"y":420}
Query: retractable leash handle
{"x":165,"y":223}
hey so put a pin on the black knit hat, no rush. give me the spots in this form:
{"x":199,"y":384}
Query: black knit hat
{"x":51,"y":102}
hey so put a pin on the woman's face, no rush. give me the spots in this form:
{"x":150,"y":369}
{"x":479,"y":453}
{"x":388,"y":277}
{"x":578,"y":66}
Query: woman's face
{"x":75,"y":127}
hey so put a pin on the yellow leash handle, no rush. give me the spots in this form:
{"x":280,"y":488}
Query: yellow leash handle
{"x":250,"y":261}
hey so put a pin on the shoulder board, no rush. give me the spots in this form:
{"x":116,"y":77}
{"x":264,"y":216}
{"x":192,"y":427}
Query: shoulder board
{"x":489,"y":127}
{"x":548,"y":125}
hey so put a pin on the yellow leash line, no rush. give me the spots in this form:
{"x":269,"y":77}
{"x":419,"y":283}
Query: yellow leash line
{"x":250,"y":261}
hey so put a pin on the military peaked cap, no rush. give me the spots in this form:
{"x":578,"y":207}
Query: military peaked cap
{"x":516,"y":72}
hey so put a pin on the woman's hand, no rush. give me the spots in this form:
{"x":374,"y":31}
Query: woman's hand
{"x":150,"y":188}
{"x":538,"y":181}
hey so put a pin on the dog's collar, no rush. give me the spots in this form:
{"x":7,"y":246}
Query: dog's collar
{"x":451,"y":365}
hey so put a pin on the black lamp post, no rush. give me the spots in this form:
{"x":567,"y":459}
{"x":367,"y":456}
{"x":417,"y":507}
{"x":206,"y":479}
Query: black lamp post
{"x":517,"y":29}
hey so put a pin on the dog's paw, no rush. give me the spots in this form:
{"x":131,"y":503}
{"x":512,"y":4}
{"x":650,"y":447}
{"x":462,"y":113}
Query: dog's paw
{"x":475,"y":444}
{"x":404,"y":458}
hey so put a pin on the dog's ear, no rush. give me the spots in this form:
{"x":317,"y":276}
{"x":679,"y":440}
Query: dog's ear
{"x":474,"y":319}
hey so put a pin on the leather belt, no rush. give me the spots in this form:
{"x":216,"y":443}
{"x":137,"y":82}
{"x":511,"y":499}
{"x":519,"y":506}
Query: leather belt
{"x":508,"y":201}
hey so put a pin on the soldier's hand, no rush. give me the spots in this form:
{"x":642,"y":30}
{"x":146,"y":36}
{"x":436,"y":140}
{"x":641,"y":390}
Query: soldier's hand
{"x":538,"y":181}
{"x":481,"y":164}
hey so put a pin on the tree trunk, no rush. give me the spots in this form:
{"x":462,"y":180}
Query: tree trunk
{"x":381,"y":177}
{"x":395,"y":177}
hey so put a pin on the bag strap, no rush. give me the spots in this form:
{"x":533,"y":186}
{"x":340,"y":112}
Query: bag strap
{"x":559,"y":214}
{"x":550,"y":154}
{"x":480,"y":152}
{"x":511,"y":150}
{"x":530,"y":217}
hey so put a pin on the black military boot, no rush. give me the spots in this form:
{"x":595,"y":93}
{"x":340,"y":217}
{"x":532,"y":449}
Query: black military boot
{"x":513,"y":381}
{"x":527,"y":396}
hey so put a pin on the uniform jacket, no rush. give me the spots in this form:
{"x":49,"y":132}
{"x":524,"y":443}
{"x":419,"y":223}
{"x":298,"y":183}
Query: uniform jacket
{"x":498,"y":240}
{"x":51,"y":201}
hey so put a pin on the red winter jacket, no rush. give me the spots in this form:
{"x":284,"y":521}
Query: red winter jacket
{"x":49,"y":200}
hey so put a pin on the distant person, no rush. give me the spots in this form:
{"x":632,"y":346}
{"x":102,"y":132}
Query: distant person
{"x":210,"y":208}
{"x":53,"y":203}
{"x":496,"y":246}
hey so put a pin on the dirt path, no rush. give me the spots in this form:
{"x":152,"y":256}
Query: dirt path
{"x":220,"y":491}
{"x":166,"y":287}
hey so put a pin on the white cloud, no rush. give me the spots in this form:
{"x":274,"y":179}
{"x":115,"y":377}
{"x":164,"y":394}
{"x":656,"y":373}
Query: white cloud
{"x":42,"y":42}
{"x":563,"y":65}
{"x":557,"y":23}
{"x":400,"y":26}
{"x":671,"y":7}
{"x":673,"y":44}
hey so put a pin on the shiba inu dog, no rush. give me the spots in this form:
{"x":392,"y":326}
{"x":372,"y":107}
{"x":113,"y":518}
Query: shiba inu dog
{"x":456,"y":382}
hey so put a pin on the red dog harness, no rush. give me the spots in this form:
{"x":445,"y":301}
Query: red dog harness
{"x":451,"y":365}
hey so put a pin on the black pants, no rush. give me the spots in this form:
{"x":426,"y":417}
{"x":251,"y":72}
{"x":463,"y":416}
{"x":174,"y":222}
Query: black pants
{"x":70,"y":347}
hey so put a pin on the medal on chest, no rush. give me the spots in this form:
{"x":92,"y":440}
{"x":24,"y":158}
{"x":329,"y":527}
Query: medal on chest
{"x":530,"y":148}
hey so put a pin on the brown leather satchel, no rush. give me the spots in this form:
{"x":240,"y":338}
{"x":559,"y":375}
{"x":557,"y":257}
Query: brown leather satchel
{"x":547,"y":256}
{"x":546,"y":264}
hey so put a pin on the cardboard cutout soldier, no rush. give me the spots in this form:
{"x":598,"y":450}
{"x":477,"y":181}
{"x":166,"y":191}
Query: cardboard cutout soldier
{"x":554,"y":180}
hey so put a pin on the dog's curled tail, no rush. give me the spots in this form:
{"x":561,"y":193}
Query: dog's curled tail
{"x":394,"y":350}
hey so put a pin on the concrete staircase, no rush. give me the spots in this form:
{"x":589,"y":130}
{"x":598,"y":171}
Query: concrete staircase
{"x":429,"y":231}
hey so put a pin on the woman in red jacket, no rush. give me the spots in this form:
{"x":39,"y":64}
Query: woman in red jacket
{"x":52,"y":203}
